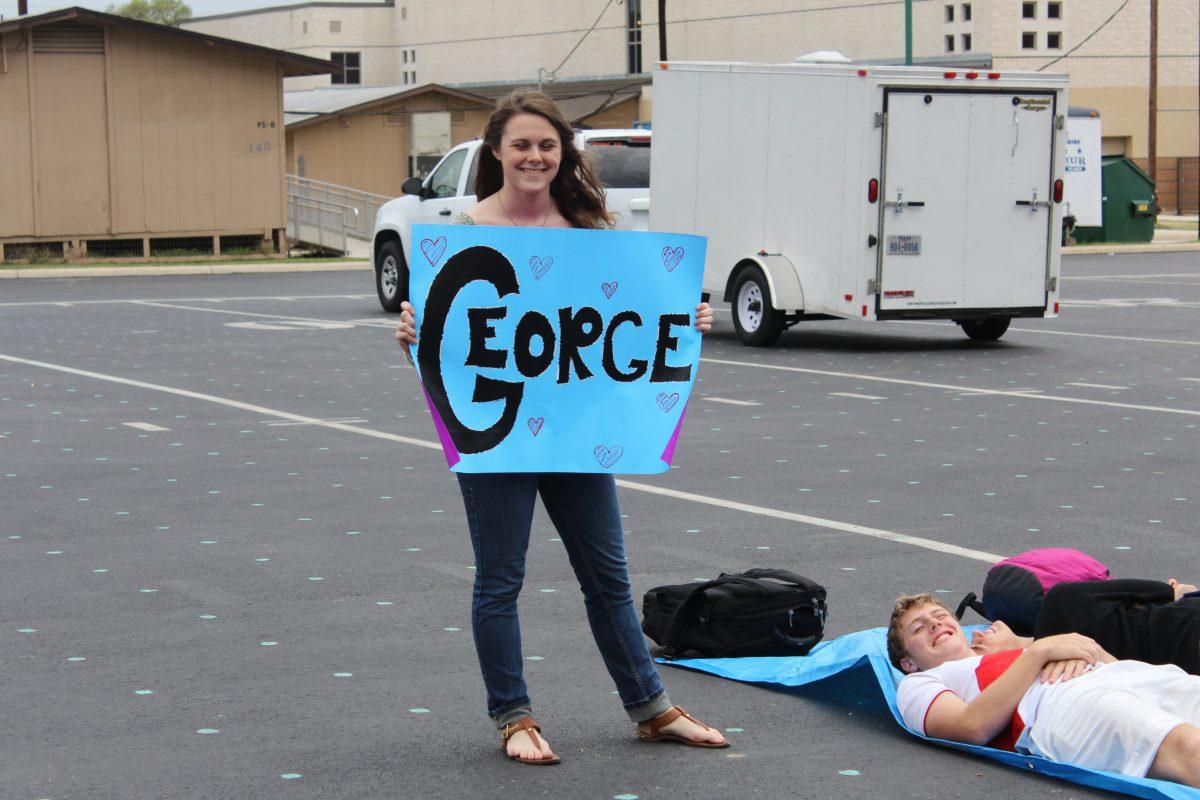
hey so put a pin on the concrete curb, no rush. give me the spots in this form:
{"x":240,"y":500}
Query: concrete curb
{"x":1152,"y":247}
{"x":183,"y":269}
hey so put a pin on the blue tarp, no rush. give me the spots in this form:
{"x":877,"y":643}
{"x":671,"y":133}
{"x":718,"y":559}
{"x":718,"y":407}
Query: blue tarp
{"x":852,"y":650}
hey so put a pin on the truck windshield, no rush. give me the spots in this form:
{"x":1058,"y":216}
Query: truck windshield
{"x":621,"y":163}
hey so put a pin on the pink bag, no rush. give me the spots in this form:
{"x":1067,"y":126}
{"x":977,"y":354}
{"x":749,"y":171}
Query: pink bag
{"x":1015,"y":587}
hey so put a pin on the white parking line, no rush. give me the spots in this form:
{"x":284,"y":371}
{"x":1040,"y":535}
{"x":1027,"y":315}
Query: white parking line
{"x":857,"y":396}
{"x":851,"y":375}
{"x":1196,"y":380}
{"x":191,"y":299}
{"x":951,"y":387}
{"x":1094,"y":385}
{"x":145,"y":426}
{"x":1083,"y":335}
{"x":1136,"y":275}
{"x":730,"y":402}
{"x":345,"y":421}
{"x":846,"y":527}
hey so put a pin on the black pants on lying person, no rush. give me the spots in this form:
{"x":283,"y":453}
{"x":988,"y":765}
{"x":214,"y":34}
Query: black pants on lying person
{"x":1138,"y":620}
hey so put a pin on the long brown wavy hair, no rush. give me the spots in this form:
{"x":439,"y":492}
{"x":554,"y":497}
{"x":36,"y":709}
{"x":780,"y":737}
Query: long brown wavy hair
{"x":576,"y":189}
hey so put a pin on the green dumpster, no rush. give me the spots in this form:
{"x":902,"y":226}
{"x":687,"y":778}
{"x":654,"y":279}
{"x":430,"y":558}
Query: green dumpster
{"x":1127,"y":201}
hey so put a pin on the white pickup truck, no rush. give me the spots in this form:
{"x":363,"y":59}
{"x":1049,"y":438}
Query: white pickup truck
{"x":622,"y":159}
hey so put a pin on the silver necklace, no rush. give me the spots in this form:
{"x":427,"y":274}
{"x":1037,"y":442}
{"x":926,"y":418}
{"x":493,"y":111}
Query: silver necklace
{"x":514,"y":222}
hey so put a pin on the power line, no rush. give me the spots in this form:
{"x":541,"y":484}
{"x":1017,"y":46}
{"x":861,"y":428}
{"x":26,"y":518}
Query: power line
{"x":1086,"y":38}
{"x":581,"y":38}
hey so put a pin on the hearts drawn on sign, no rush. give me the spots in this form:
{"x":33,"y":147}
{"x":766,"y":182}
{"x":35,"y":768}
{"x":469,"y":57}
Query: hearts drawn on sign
{"x":535,"y":424}
{"x":667,"y":401}
{"x":609,"y":289}
{"x":671,"y":257}
{"x":433,"y":249}
{"x":607,"y":456}
{"x":540,"y":266}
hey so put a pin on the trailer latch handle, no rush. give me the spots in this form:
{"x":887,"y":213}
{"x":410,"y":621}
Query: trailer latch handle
{"x":1033,"y":202}
{"x":900,"y":203}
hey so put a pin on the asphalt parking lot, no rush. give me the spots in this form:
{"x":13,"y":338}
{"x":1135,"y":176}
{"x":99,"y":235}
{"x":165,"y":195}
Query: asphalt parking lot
{"x":233,"y":563}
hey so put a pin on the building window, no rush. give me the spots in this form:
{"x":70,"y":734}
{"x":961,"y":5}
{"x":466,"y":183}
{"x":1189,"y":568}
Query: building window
{"x":1053,"y":10}
{"x":413,"y":76}
{"x":966,"y":42}
{"x":1054,"y":40}
{"x":1029,"y":10}
{"x":405,"y":56}
{"x":304,"y":27}
{"x":949,"y":44}
{"x":405,"y":74}
{"x":1028,"y":41}
{"x":403,"y":12}
{"x":412,"y":56}
{"x":633,"y":10}
{"x":351,"y":67}
{"x":949,"y":13}
{"x":966,"y":12}
{"x":335,"y":26}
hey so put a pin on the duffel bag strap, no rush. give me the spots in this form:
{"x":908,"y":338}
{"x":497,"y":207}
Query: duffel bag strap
{"x":676,"y":638}
{"x":970,"y":602}
{"x":783,"y":575}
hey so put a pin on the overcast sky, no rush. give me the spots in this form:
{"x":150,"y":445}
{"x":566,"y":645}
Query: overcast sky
{"x":200,"y":8}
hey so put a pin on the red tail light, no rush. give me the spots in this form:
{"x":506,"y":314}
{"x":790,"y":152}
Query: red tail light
{"x":950,"y":75}
{"x":1055,"y":306}
{"x":862,"y":73}
{"x":993,"y":76}
{"x":872,"y":190}
{"x":1058,"y":189}
{"x":972,"y":76}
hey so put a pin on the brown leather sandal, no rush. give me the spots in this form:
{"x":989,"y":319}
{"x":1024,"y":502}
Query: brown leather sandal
{"x":651,"y":730}
{"x":526,"y":724}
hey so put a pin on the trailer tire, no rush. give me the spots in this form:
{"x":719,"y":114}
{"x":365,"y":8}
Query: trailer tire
{"x":757,"y":322}
{"x":391,"y":276}
{"x":985,"y":330}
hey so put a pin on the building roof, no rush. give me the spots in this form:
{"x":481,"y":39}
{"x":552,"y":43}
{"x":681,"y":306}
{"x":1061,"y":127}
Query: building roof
{"x":293,"y":64}
{"x":304,"y":106}
{"x":293,"y":7}
{"x":579,"y":98}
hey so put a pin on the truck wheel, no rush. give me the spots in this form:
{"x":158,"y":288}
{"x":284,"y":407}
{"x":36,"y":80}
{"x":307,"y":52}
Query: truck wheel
{"x":757,"y":322}
{"x":391,"y":277}
{"x":985,"y":330}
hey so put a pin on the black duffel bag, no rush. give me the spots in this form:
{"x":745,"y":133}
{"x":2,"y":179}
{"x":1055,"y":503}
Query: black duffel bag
{"x":762,"y":612}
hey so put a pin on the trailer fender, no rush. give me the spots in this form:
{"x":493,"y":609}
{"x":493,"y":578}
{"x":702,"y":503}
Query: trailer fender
{"x":782,"y":279}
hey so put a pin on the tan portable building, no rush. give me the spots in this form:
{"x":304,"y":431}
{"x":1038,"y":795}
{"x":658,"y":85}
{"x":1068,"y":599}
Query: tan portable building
{"x":125,"y":138}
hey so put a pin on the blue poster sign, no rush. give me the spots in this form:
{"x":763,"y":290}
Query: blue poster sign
{"x":556,"y":349}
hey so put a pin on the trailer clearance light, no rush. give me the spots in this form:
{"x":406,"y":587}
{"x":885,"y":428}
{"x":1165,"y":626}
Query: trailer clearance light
{"x":862,"y":73}
{"x":950,"y":75}
{"x":872,"y":190}
{"x":972,"y":76}
{"x":993,"y":76}
{"x":1055,"y":306}
{"x":1058,"y":189}
{"x":864,"y":311}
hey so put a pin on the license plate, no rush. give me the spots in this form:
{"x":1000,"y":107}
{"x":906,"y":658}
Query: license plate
{"x":904,"y":245}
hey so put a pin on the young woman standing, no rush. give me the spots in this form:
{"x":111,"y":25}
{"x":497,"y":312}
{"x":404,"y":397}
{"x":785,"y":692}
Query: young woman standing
{"x":531,"y":174}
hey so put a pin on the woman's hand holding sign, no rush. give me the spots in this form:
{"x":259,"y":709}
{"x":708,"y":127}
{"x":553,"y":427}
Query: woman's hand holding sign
{"x":704,"y":318}
{"x":406,"y":331}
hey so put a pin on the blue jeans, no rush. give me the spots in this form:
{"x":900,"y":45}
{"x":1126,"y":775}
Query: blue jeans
{"x":584,"y":510}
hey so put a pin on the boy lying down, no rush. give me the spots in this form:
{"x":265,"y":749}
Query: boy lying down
{"x":1062,"y":697}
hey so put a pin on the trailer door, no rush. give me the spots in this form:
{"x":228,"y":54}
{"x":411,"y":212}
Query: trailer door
{"x":965,"y":222}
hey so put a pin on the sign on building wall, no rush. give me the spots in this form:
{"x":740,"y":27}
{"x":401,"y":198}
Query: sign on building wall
{"x":556,"y":350}
{"x":1081,"y":180}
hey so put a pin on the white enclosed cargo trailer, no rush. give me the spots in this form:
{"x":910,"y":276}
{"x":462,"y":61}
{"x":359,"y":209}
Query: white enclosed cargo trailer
{"x":872,"y":193}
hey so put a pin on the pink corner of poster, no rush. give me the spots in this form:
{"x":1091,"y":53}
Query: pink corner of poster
{"x":448,"y":448}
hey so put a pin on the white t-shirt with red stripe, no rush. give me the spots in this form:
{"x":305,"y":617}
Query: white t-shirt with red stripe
{"x":967,"y":678}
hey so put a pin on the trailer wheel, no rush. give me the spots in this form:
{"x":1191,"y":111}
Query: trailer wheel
{"x":391,"y":277}
{"x":985,"y":330}
{"x":756,"y":320}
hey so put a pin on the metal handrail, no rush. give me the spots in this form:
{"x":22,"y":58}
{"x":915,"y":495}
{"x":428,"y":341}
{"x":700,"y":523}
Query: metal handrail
{"x":320,"y":222}
{"x":367,"y":203}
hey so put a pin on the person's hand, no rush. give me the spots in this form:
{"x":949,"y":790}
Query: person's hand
{"x":1068,"y":647}
{"x":406,"y":331}
{"x":704,"y":318}
{"x":1064,"y":670}
{"x":1181,"y":588}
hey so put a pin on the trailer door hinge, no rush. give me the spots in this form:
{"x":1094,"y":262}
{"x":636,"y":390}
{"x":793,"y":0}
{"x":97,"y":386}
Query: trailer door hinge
{"x":873,"y":286}
{"x":1052,"y":284}
{"x":1060,"y":122}
{"x":880,"y":118}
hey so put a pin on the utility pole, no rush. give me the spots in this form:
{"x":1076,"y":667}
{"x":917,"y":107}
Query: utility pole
{"x":1152,"y":134}
{"x":908,"y":31}
{"x":662,"y":30}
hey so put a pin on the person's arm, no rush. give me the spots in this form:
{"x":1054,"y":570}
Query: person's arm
{"x":1083,"y":606}
{"x":981,"y":720}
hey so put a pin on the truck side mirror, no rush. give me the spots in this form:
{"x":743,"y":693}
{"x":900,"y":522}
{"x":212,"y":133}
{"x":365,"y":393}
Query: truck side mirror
{"x":413,"y":186}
